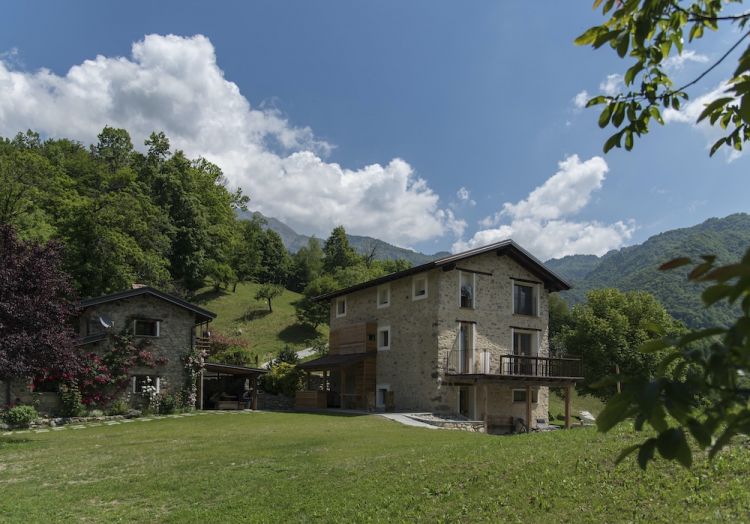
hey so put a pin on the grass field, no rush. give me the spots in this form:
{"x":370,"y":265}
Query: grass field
{"x":240,"y":315}
{"x":577,"y":403}
{"x":285,"y":467}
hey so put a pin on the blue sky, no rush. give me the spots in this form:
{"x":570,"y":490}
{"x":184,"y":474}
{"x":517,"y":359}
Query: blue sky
{"x":432,"y":96}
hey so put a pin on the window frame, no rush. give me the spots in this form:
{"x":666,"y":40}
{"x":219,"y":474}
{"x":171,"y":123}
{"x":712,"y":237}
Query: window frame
{"x":341,"y":300}
{"x":384,"y":387}
{"x":156,"y":321}
{"x":385,"y":328}
{"x":414,"y":281}
{"x":534,"y":396}
{"x":535,"y":340}
{"x":134,"y":383}
{"x":387,"y":288}
{"x":461,"y":275}
{"x":534,"y":298}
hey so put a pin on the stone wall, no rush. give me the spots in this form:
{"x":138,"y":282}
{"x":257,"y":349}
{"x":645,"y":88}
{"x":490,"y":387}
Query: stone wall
{"x":274,"y":402}
{"x":424,"y":332}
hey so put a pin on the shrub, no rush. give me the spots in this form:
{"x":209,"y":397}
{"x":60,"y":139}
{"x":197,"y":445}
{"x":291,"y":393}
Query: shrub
{"x":21,"y":416}
{"x":72,"y":404}
{"x":283,"y":378}
{"x":169,"y":404}
{"x":235,"y":355}
{"x":118,"y":407}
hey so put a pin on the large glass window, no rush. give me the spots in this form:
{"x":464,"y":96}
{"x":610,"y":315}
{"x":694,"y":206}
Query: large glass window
{"x":524,"y":300}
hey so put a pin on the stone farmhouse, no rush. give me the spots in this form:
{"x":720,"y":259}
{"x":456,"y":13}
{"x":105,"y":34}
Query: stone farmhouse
{"x":169,"y":329}
{"x":465,"y":335}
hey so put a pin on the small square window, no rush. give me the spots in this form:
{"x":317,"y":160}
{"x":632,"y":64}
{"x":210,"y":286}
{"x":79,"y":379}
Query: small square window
{"x":384,"y":296}
{"x":524,"y":300}
{"x":419,"y":287}
{"x":381,"y":395}
{"x":384,"y":338}
{"x":341,"y":307}
{"x":146,"y":328}
{"x":519,"y":395}
{"x":140,"y":381}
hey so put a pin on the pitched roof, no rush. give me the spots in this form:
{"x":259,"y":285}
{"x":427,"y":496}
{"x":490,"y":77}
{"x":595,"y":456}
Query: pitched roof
{"x":334,"y":361}
{"x":202,"y":314}
{"x":230,"y":369}
{"x":551,"y":280}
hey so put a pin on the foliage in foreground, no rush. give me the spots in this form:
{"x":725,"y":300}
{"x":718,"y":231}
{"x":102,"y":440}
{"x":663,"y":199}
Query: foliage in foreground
{"x":706,"y":393}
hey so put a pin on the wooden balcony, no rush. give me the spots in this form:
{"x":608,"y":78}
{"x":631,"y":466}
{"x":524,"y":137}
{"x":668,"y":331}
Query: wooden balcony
{"x":464,"y":369}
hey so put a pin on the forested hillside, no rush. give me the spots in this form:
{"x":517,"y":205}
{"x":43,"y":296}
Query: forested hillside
{"x":362,"y":245}
{"x":636,"y":268}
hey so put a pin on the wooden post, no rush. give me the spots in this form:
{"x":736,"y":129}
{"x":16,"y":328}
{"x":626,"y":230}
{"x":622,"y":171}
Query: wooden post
{"x":617,"y":372}
{"x":528,"y":408}
{"x":567,"y":406}
{"x":325,"y":380}
{"x":200,"y":390}
{"x":341,"y":387}
{"x":254,"y":404}
{"x":307,"y":374}
{"x":486,"y":415}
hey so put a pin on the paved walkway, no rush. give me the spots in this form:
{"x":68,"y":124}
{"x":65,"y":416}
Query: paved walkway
{"x":301,"y":354}
{"x":99,"y":423}
{"x":403,"y":418}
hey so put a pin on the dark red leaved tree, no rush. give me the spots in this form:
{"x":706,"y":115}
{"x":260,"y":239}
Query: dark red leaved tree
{"x":37,"y":303}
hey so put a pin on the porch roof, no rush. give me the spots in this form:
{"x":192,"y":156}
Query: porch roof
{"x":466,"y":379}
{"x":334,"y":361}
{"x":229,"y":369}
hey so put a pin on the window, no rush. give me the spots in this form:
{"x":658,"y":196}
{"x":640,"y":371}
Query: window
{"x":465,"y":347}
{"x":523,"y":343}
{"x":419,"y":287}
{"x":139,"y":381}
{"x":146,"y":328}
{"x":519,"y":395}
{"x":524,"y":300}
{"x":94,"y":325}
{"x":466,"y":283}
{"x":340,"y":307}
{"x":384,"y":338}
{"x":384,"y":296}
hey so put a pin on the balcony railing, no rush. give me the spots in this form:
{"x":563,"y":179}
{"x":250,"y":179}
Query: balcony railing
{"x":479,"y":363}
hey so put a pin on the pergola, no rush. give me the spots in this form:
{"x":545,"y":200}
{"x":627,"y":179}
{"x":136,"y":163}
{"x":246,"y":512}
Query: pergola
{"x":214,"y":370}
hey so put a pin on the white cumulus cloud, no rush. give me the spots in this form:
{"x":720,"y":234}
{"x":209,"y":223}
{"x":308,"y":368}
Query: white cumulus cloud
{"x":677,"y":62}
{"x":174,"y":84}
{"x":542,"y":221}
{"x":581,"y":98}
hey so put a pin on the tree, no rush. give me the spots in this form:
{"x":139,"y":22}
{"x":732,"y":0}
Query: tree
{"x":307,"y":265}
{"x":309,"y":311}
{"x":607,"y":332}
{"x":650,"y":32}
{"x":706,"y":394}
{"x":337,"y":251}
{"x":559,"y":319}
{"x":245,"y":258}
{"x":37,"y":304}
{"x":268,"y":292}
{"x":274,"y":262}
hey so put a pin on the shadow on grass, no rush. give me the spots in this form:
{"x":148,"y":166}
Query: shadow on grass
{"x":9,"y":441}
{"x":298,"y":334}
{"x":253,"y":314}
{"x":208,"y":295}
{"x":332,"y":412}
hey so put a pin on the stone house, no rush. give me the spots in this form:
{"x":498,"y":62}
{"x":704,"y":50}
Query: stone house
{"x":465,"y":335}
{"x":171,"y":327}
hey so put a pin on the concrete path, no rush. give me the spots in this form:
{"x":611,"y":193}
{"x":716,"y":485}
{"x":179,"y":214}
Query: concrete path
{"x":403,"y":418}
{"x":302,"y":354}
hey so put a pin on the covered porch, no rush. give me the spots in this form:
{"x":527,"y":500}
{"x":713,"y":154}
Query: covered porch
{"x":338,"y":381}
{"x":225,"y":386}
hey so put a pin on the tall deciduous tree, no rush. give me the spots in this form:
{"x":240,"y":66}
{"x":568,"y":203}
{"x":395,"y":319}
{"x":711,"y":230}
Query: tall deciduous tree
{"x":37,"y":303}
{"x":338,"y":253}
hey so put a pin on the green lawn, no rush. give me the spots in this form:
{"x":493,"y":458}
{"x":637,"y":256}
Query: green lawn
{"x":240,"y":315}
{"x":577,"y":403}
{"x":285,"y":467}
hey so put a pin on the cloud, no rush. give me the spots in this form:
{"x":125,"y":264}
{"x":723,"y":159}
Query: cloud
{"x":174,"y":84}
{"x":581,"y":98}
{"x":541,"y":222}
{"x":677,"y":62}
{"x":464,"y":196}
{"x":611,"y":85}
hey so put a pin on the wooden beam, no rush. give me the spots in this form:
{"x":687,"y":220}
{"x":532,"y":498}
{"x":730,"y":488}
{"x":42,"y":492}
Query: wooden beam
{"x":528,"y":408}
{"x":200,"y":390}
{"x":254,"y":404}
{"x":486,"y":416}
{"x":308,"y":380}
{"x":567,"y":406}
{"x":341,"y":387}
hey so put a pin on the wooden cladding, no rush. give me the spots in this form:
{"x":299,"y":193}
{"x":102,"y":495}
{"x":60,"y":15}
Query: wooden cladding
{"x":354,"y":338}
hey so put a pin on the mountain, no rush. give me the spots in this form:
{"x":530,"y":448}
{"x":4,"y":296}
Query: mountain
{"x":636,"y":268}
{"x":383,"y":250}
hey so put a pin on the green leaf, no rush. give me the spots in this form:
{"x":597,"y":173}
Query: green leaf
{"x":713,"y":106}
{"x":605,"y":115}
{"x":614,"y":412}
{"x":631,"y":73}
{"x":597,"y":100}
{"x":713,"y":294}
{"x":613,"y":141}
{"x":628,"y":139}
{"x":656,"y":114}
{"x":618,"y":114}
{"x":588,"y":36}
{"x":701,"y":334}
{"x":724,"y":273}
{"x":717,"y":145}
{"x":652,"y":346}
{"x":622,"y":43}
{"x":675,"y":262}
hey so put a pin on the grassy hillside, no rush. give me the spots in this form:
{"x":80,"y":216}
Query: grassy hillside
{"x":240,"y":315}
{"x":577,"y":403}
{"x":288,"y":467}
{"x":636,"y":268}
